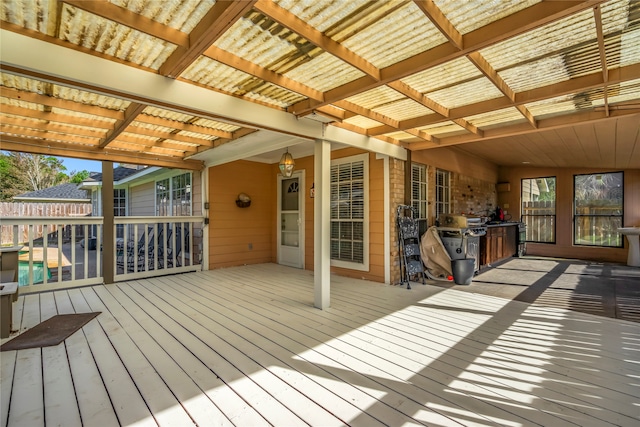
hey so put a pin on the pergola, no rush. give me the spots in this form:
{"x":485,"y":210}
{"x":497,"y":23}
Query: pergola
{"x":201,"y":83}
{"x":178,"y":84}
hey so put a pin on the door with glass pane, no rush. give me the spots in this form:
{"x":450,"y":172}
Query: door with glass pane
{"x":290,"y":224}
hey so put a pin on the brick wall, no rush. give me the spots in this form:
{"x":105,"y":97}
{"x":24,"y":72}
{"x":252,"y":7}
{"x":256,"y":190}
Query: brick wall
{"x":468,"y":195}
{"x":396,"y":195}
{"x":472,"y":195}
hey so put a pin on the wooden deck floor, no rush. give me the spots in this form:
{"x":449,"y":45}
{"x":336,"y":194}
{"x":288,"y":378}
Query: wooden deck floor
{"x":244,"y":346}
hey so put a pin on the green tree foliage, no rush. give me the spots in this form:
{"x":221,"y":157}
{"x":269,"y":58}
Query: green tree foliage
{"x":23,"y":172}
{"x":78,"y":177}
{"x":8,"y":180}
{"x":549,"y":184}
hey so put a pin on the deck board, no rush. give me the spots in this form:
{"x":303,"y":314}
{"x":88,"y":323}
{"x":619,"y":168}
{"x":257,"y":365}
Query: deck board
{"x":93,"y":400}
{"x":60,"y":403}
{"x":467,"y":387}
{"x":251,"y":331}
{"x":244,"y":346}
{"x":130,"y":408}
{"x":359,"y":357}
{"x":201,"y":409}
{"x":164,"y":407}
{"x":239,"y":368}
{"x":26,"y":407}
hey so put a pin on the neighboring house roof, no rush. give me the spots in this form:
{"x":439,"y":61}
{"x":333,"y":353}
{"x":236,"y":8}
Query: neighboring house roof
{"x":119,"y":173}
{"x":69,"y":192}
{"x":123,"y":175}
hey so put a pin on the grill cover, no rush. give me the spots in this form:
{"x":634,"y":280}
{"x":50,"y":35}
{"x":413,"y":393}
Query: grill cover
{"x":434,"y":255}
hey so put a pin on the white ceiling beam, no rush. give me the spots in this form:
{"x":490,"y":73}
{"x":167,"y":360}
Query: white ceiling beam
{"x":38,"y":59}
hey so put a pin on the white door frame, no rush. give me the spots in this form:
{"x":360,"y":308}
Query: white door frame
{"x":301,"y":215}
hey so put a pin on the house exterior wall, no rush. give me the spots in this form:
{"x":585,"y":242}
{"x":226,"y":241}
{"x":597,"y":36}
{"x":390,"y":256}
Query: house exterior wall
{"x":233,"y":230}
{"x":564,"y":211}
{"x":249,"y":235}
{"x":240,"y":236}
{"x":473,"y":180}
{"x":142,"y":199}
{"x":142,"y":194}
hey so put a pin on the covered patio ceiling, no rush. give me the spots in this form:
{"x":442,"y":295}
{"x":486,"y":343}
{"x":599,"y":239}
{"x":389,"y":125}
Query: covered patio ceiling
{"x":181,"y":84}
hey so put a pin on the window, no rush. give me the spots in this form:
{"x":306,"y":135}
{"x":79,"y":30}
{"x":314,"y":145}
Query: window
{"x":349,"y":210}
{"x":173,"y":196}
{"x":443,"y":192}
{"x":120,"y":202}
{"x":598,"y":208}
{"x":120,"y":208}
{"x":539,"y":209}
{"x":419,"y":190}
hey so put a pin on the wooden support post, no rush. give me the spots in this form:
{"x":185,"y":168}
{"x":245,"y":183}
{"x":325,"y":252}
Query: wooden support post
{"x":108,"y":254}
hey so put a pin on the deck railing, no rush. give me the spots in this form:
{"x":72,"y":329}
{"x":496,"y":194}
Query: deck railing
{"x":55,"y":253}
{"x":154,"y":246}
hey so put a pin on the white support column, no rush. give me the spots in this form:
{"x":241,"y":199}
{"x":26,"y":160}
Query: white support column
{"x":322,"y":224}
{"x":386,"y":201}
{"x":204,"y":178}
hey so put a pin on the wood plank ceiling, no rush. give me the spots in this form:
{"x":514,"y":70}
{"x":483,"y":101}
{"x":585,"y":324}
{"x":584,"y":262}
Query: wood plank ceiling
{"x":518,"y":82}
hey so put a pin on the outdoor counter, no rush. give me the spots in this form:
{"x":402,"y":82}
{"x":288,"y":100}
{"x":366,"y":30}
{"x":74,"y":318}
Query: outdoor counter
{"x":500,"y":242}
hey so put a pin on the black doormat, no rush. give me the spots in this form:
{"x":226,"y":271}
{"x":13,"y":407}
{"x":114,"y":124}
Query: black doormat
{"x":50,"y":332}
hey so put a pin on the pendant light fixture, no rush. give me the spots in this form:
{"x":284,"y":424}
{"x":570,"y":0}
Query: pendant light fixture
{"x":287,"y":164}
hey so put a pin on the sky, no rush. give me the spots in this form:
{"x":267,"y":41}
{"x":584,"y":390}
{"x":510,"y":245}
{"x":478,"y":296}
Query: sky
{"x":78,"y":165}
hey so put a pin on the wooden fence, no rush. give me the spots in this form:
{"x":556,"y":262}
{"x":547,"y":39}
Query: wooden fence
{"x":41,"y":210}
{"x":540,"y":218}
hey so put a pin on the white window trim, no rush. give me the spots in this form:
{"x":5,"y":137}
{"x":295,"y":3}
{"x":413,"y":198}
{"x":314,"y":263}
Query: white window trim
{"x":365,"y":243}
{"x":449,"y":203}
{"x":425,"y":168}
{"x":169,"y":177}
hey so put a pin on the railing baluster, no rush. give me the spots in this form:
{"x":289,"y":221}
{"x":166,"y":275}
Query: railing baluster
{"x":86,"y":251}
{"x":98,"y":249}
{"x":45,"y":245}
{"x":73,"y":253}
{"x":60,"y":228}
{"x":30,"y":269}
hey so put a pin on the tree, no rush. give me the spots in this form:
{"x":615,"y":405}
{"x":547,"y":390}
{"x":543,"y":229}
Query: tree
{"x":78,"y":177}
{"x":9,"y":185}
{"x":23,"y":172}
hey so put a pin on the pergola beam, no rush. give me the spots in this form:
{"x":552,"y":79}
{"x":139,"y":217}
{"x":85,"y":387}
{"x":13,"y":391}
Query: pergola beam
{"x":130,"y":114}
{"x":510,"y":26}
{"x":121,"y":15}
{"x":211,"y":27}
{"x":54,"y":148}
{"x":566,"y":120}
{"x":597,"y":15}
{"x":575,"y":85}
{"x":265,"y":74}
{"x":36,"y":98}
{"x":303,"y":29}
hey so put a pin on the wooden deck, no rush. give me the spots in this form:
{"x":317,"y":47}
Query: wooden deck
{"x":244,"y":346}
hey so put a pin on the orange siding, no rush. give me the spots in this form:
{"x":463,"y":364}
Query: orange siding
{"x":233,"y":229}
{"x":240,"y":236}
